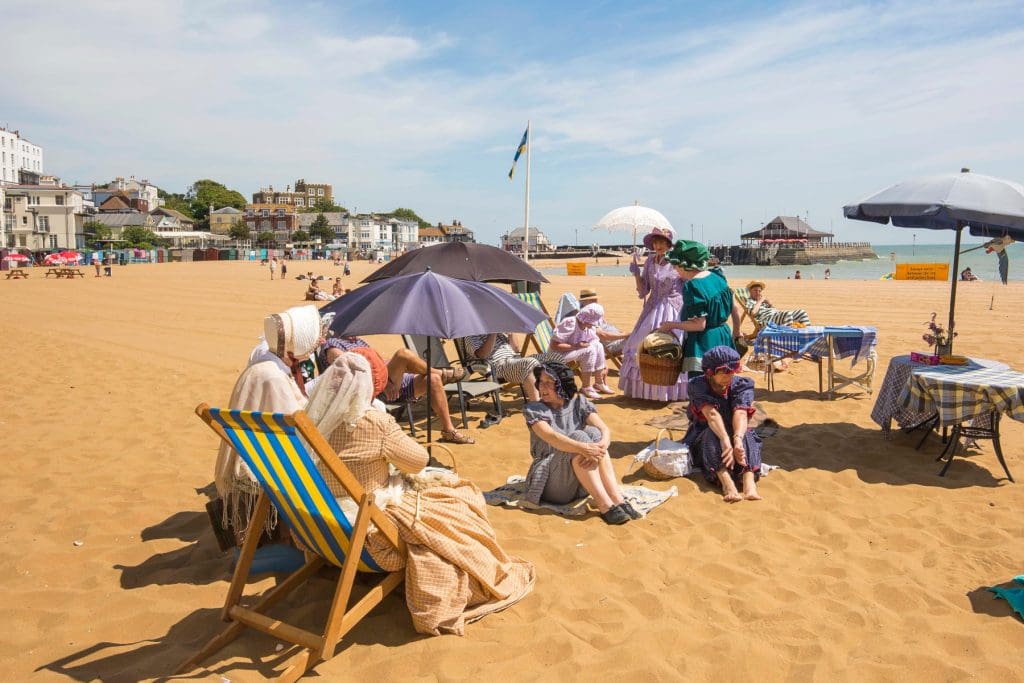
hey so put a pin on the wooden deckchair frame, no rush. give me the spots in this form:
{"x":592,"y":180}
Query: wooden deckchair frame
{"x":531,"y":338}
{"x":314,"y":647}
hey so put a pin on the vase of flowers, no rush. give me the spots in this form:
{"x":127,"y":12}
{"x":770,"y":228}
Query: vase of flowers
{"x":939,"y":338}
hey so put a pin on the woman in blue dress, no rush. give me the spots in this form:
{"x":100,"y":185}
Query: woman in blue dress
{"x":721,"y":403}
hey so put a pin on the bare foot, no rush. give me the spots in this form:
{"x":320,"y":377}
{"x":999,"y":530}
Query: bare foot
{"x":750,"y":486}
{"x":732,"y":496}
{"x":751,"y":495}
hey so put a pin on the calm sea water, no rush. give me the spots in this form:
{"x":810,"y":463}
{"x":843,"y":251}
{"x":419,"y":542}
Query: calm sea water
{"x":983,"y":265}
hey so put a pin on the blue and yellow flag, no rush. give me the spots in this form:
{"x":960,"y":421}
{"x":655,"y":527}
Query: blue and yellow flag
{"x":519,"y":151}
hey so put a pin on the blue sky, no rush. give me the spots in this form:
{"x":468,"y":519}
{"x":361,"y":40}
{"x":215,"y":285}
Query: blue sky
{"x":713,"y":113}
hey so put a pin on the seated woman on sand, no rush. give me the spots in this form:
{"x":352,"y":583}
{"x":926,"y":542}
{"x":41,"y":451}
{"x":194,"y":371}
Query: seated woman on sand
{"x":337,"y":290}
{"x":569,"y":444}
{"x":721,"y":402}
{"x":455,"y":569}
{"x":314,"y":293}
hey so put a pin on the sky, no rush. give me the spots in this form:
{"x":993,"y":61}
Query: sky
{"x":720,"y":115}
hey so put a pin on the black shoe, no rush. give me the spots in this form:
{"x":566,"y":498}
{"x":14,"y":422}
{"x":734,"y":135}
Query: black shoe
{"x":488,"y":420}
{"x":615,"y":515}
{"x":628,"y":508}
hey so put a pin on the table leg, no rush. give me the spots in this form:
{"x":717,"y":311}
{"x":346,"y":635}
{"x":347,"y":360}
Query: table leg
{"x":998,"y":446}
{"x":831,"y":370}
{"x":929,"y":424}
{"x":954,"y":441}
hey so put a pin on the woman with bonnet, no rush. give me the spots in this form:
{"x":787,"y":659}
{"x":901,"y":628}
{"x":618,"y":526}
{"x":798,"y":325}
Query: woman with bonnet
{"x":456,"y":571}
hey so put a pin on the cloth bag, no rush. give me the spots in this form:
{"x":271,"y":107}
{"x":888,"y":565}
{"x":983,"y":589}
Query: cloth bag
{"x":664,"y":458}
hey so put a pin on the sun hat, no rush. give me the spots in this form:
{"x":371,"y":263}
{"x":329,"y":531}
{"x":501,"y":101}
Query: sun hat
{"x":588,"y":294}
{"x":666,"y":233}
{"x":756,"y":283}
{"x":689,"y":255}
{"x":719,"y":357}
{"x":590,"y":314}
{"x":296,"y":330}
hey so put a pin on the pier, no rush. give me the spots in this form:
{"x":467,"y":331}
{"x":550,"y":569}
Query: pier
{"x":793,"y":254}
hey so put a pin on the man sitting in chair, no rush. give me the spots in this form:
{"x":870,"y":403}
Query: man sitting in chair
{"x":406,"y":381}
{"x":611,"y":339}
{"x":503,"y":352}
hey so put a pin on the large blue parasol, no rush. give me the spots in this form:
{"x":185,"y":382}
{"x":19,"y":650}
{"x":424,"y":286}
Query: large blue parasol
{"x":990,"y":207}
{"x":432,"y":305}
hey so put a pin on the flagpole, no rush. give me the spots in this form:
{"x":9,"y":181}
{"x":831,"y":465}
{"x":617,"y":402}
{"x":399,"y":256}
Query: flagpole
{"x":526,"y":223}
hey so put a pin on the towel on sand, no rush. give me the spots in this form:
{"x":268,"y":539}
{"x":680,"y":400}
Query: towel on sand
{"x":1014,"y":596}
{"x":511,"y":494}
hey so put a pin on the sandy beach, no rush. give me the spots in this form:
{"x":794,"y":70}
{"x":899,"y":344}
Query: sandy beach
{"x":860,"y":564}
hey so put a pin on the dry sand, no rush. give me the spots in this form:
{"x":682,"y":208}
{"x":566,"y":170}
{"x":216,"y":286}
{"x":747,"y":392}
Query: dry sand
{"x":860,"y":564}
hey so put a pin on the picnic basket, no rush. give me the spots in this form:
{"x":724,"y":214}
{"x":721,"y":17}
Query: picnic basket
{"x":661,"y":461}
{"x":662,"y":372}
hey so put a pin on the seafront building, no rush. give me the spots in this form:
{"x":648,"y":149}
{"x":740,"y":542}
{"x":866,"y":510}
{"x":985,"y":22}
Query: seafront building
{"x":282,"y":219}
{"x":47,"y":215}
{"x":20,"y":160}
{"x":305,"y":194}
{"x":514,"y":239}
{"x":222,"y":219}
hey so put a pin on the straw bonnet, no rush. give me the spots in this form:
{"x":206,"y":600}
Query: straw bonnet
{"x":295,"y":331}
{"x":588,"y":294}
{"x":757,"y":283}
{"x":665,"y":233}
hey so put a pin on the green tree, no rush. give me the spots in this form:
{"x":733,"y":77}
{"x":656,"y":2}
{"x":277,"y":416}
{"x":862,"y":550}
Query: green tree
{"x":324,"y":206}
{"x":239,"y":231}
{"x":300,"y":236}
{"x":176,"y":202}
{"x":322,"y":229}
{"x":202,"y":193}
{"x":143,"y":238}
{"x":96,"y":231}
{"x":409,"y":215}
{"x":266,"y":237}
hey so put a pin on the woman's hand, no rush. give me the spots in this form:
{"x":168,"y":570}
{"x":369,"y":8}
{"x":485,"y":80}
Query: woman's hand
{"x":738,"y":451}
{"x":582,"y":345}
{"x":727,"y":455}
{"x":591,"y":450}
{"x":668,"y":326}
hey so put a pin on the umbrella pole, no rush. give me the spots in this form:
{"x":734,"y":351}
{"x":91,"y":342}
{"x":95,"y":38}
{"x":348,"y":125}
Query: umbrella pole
{"x":952,"y":289}
{"x":430,"y":355}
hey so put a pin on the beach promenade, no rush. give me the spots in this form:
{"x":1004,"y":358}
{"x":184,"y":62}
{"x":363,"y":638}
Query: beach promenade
{"x":860,"y":563}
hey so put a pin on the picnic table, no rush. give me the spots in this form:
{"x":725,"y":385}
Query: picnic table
{"x":956,"y":395}
{"x":822,"y":344}
{"x":17,"y":273}
{"x":64,"y":271}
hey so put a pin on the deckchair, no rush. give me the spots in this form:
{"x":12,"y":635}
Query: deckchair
{"x":473,"y":388}
{"x":540,"y":337}
{"x":275,"y":447}
{"x":742,"y":296}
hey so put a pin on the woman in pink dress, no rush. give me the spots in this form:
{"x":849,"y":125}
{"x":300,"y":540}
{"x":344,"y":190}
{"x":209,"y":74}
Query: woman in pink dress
{"x":660,"y":287}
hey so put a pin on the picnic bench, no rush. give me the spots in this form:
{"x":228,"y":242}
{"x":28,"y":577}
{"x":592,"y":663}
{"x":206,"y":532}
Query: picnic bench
{"x":17,"y":273}
{"x":69,"y":273}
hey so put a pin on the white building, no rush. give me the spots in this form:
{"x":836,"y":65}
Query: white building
{"x":18,"y":154}
{"x":513,"y":241}
{"x":140,"y":190}
{"x":405,"y":234}
{"x":42,"y":217}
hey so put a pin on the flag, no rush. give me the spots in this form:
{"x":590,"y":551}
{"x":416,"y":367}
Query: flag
{"x":519,"y":150}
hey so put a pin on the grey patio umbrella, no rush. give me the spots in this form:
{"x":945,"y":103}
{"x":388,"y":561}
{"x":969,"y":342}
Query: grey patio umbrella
{"x":990,"y":207}
{"x":432,"y":305}
{"x":463,"y":261}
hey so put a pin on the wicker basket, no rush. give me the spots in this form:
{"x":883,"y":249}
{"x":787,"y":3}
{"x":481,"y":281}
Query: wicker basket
{"x":663,"y":372}
{"x":649,"y":467}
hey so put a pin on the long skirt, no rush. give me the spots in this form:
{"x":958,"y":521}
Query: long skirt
{"x":709,"y":450}
{"x":590,"y":358}
{"x":655,"y":312}
{"x":455,"y":570}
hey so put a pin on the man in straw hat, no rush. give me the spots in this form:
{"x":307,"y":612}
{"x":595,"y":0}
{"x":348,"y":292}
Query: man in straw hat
{"x":610,"y":337}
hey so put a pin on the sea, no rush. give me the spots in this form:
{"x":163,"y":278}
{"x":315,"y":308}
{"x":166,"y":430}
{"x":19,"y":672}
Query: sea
{"x":983,"y":265}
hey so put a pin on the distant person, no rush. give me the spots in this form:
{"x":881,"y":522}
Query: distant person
{"x":96,"y":263}
{"x":273,"y":267}
{"x":284,"y":269}
{"x":347,"y":271}
{"x":828,"y":274}
{"x":798,"y":276}
{"x":337,"y":290}
{"x":967,"y":276}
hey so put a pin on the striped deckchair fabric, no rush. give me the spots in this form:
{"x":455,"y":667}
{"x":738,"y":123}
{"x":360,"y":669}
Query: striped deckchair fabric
{"x":540,"y":337}
{"x":279,"y":450}
{"x":277,"y":456}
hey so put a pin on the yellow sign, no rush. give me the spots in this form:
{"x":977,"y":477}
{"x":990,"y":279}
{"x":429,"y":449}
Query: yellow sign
{"x":575,"y":268}
{"x":922,"y":271}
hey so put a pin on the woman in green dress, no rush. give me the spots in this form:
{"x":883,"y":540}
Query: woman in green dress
{"x":707,"y":304}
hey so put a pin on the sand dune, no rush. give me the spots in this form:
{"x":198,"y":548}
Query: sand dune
{"x":860,"y":564}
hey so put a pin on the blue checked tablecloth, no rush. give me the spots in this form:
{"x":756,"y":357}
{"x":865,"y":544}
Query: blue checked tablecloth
{"x":847,"y":340}
{"x":961,"y":396}
{"x":889,"y":401}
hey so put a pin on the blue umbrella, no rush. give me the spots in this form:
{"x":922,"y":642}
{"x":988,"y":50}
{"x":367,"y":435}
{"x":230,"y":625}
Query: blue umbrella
{"x":432,"y":305}
{"x":991,"y":207}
